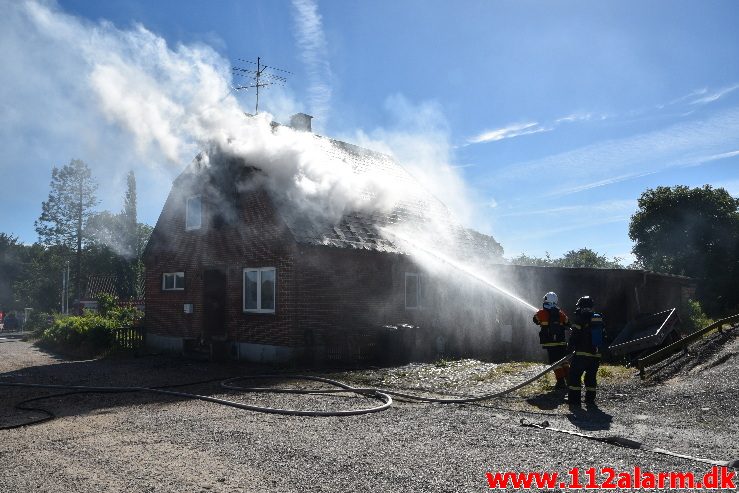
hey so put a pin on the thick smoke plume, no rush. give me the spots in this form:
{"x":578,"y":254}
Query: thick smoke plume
{"x":176,"y":102}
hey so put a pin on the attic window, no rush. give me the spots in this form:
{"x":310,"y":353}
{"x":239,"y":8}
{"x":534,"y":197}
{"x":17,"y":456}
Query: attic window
{"x":193,"y":214}
{"x":259,"y":289}
{"x":173,"y":281}
{"x":413,"y":291}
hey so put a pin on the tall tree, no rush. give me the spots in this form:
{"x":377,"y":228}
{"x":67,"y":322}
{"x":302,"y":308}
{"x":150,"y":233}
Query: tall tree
{"x":119,"y":242}
{"x":11,"y":269}
{"x":692,"y":232}
{"x":65,"y":214}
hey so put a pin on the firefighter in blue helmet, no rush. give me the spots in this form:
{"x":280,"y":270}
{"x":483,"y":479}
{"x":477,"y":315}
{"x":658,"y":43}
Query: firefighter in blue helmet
{"x":587,"y":340}
{"x":553,"y":322}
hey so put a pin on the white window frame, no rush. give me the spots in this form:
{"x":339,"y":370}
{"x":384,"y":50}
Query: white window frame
{"x":174,"y":283}
{"x":189,"y":221}
{"x":419,"y":299}
{"x":259,"y":308}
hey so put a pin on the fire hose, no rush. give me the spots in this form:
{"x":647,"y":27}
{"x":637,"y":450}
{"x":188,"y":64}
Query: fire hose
{"x":383,"y":395}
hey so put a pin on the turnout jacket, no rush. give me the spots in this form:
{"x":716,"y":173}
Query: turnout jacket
{"x":552,"y":322}
{"x":581,"y":338}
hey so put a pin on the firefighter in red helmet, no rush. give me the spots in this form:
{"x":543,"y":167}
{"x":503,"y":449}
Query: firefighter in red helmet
{"x":553,"y":323}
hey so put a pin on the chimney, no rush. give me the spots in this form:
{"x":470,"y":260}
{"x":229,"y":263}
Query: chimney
{"x":301,"y":121}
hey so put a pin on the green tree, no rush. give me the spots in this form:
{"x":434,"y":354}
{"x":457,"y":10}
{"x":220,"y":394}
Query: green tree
{"x":585,"y":257}
{"x":524,"y":259}
{"x":119,"y":241}
{"x":11,"y":270}
{"x":65,"y":214}
{"x":692,"y":232}
{"x":40,"y":285}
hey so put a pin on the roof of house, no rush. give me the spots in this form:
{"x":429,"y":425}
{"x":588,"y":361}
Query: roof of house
{"x":418,"y":212}
{"x":98,"y":285}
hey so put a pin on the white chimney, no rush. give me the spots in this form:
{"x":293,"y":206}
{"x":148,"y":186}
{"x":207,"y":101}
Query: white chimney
{"x":301,"y":121}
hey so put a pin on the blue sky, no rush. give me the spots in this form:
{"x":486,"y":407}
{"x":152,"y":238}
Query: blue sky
{"x":555,"y":115}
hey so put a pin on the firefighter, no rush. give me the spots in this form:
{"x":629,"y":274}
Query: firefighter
{"x":553,"y":323}
{"x":586,"y":340}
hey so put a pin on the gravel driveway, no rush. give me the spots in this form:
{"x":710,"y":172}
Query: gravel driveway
{"x":140,"y":442}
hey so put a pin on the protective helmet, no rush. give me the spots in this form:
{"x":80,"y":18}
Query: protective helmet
{"x":550,"y":300}
{"x":585,"y":303}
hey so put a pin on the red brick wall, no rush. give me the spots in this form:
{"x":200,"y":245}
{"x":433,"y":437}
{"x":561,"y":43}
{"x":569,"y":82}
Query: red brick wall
{"x":320,"y":290}
{"x":254,"y":237}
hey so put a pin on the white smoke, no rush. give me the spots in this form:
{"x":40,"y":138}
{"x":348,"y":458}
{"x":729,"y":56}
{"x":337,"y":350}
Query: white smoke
{"x":174,"y":101}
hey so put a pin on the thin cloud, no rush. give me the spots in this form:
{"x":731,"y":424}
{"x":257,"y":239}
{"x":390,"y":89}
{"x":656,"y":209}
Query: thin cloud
{"x":520,"y":129}
{"x":683,"y":144}
{"x":508,"y":132}
{"x":314,"y":54}
{"x":537,"y":234}
{"x":716,"y":95}
{"x":579,"y":117}
{"x":609,"y":206}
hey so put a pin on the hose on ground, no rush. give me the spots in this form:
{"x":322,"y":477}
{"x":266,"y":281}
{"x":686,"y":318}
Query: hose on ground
{"x":229,"y":384}
{"x":383,"y":395}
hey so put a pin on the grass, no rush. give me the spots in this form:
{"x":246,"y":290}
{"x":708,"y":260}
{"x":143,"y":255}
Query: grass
{"x":614,"y":373}
{"x":504,"y":369}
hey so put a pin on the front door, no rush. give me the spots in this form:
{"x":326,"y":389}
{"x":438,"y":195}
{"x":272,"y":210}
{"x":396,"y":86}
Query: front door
{"x":214,"y":304}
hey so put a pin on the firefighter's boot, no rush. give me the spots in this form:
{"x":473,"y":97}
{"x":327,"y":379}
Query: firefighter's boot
{"x":590,"y":397}
{"x":574,"y":398}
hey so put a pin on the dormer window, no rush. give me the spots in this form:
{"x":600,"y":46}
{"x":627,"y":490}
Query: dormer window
{"x":194,"y":213}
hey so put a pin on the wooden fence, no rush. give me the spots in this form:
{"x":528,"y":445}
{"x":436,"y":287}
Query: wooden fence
{"x":129,"y":338}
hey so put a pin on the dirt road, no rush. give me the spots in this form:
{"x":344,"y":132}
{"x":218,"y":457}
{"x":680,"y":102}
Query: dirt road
{"x":138,"y":443}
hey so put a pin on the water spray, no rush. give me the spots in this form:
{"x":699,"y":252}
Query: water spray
{"x":457,"y":265}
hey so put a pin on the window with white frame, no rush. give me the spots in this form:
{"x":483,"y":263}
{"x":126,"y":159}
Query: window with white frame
{"x":173,"y":281}
{"x":413,"y":291}
{"x":194,"y":213}
{"x":259,"y":289}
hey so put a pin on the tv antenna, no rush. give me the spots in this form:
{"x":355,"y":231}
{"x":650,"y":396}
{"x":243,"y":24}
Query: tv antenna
{"x":261,"y":76}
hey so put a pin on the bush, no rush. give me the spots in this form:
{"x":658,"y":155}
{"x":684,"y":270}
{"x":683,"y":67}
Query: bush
{"x":693,"y":317}
{"x":123,"y":315}
{"x":38,"y":322}
{"x":91,"y":332}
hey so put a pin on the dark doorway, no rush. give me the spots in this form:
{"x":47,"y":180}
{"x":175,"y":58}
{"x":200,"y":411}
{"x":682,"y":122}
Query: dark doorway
{"x":214,"y":304}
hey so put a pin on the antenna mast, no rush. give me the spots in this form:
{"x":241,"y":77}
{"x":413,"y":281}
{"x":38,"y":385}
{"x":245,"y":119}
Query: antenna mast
{"x":263,"y":76}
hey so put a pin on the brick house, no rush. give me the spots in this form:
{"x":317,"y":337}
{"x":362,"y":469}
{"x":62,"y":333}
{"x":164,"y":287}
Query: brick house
{"x":233,"y":271}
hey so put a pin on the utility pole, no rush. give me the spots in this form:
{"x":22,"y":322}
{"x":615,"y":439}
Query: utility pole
{"x":65,"y":289}
{"x":263,"y":76}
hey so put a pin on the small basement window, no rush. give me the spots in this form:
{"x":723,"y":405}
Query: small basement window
{"x":194,"y":213}
{"x":259,"y":289}
{"x":413,"y":291}
{"x":173,"y":281}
